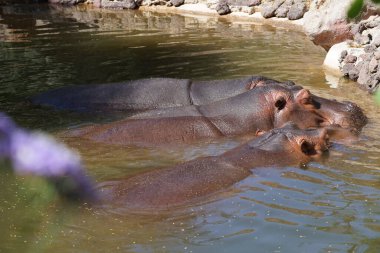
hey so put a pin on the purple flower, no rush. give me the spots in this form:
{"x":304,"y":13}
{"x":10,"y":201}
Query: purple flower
{"x":40,"y":155}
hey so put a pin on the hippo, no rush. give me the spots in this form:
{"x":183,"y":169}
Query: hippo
{"x":184,"y":184}
{"x":198,"y":180}
{"x":144,"y":94}
{"x":249,"y":113}
{"x":159,"y":93}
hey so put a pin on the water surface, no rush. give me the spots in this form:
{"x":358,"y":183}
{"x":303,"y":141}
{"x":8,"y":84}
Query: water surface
{"x":327,"y":206}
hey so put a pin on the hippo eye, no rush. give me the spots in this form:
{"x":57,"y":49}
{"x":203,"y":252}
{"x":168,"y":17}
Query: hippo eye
{"x":280,"y":103}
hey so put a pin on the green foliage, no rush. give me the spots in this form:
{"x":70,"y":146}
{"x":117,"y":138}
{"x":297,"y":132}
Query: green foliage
{"x":356,"y":7}
{"x":377,"y":96}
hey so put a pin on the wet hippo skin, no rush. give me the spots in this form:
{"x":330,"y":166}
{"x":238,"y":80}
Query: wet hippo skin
{"x":155,"y":93}
{"x":260,"y":109}
{"x":190,"y":182}
{"x":143,"y":94}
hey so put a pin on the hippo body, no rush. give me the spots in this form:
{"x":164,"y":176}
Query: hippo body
{"x":144,"y":94}
{"x":260,"y":109}
{"x":162,"y":93}
{"x":190,"y":182}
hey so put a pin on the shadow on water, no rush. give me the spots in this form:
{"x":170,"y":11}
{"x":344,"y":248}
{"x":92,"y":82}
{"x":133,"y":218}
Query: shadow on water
{"x":328,"y":206}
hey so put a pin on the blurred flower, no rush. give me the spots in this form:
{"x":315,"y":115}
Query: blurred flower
{"x":40,"y":155}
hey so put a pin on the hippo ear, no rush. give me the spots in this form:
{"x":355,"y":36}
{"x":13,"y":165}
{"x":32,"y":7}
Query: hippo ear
{"x":303,"y":96}
{"x":260,"y":132}
{"x":280,"y":103}
{"x":254,"y":84}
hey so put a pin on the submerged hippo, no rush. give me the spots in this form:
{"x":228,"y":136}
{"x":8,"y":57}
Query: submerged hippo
{"x":257,"y":110}
{"x":187,"y":183}
{"x":190,"y":182}
{"x":155,"y":93}
{"x":144,"y":94}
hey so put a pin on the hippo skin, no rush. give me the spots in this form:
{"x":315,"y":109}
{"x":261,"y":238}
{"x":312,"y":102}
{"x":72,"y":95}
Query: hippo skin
{"x":198,"y":180}
{"x":156,"y":93}
{"x":257,"y":110}
{"x":143,"y":94}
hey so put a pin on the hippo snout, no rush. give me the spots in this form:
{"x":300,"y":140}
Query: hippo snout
{"x":319,"y":142}
{"x":353,"y":117}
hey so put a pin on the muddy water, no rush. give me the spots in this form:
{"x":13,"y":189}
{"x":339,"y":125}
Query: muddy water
{"x":328,"y":206}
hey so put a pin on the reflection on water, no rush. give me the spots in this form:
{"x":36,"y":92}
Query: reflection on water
{"x":328,"y":206}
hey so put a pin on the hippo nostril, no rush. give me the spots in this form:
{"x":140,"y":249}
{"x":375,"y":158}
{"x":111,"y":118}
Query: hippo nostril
{"x":350,"y":107}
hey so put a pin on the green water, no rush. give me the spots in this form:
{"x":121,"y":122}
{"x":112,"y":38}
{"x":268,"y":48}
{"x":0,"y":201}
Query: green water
{"x":328,"y":206}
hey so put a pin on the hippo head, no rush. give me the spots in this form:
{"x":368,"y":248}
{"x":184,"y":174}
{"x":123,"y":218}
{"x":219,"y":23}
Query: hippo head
{"x":287,"y":106}
{"x":308,"y":110}
{"x":293,"y":143}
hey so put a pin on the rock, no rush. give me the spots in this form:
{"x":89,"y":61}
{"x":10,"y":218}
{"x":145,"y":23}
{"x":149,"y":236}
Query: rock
{"x":370,"y":48}
{"x":66,"y":2}
{"x":376,"y":41}
{"x":269,"y":9}
{"x":350,"y":59}
{"x":297,"y":11}
{"x":8,"y":2}
{"x":373,"y":65}
{"x":359,"y":65}
{"x":254,"y":3}
{"x":373,"y":33}
{"x":358,"y":28}
{"x":372,"y":83}
{"x":326,"y":22}
{"x":247,"y":9}
{"x":361,"y":39}
{"x":120,"y":4}
{"x":343,"y":55}
{"x":235,"y":8}
{"x":347,"y":68}
{"x":249,"y":3}
{"x":212,"y":4}
{"x":373,"y":24}
{"x":157,"y":3}
{"x":283,"y":10}
{"x":365,"y":57}
{"x":346,"y":60}
{"x":377,"y":55}
{"x":353,"y":74}
{"x":364,"y":76}
{"x":222,"y":8}
{"x":177,"y":3}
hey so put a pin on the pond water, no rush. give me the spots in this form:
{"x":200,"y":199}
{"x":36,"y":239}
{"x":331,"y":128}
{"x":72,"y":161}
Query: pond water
{"x":327,"y":206}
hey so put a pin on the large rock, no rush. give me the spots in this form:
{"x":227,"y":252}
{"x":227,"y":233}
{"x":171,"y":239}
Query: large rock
{"x":177,"y":3}
{"x":268,"y":9}
{"x":7,"y":2}
{"x":67,"y":2}
{"x":326,"y":22}
{"x":283,"y":10}
{"x":243,"y":2}
{"x":297,"y":11}
{"x":222,"y":8}
{"x":116,"y":4}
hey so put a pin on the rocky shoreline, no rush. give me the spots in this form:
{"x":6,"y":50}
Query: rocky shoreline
{"x":353,"y":45}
